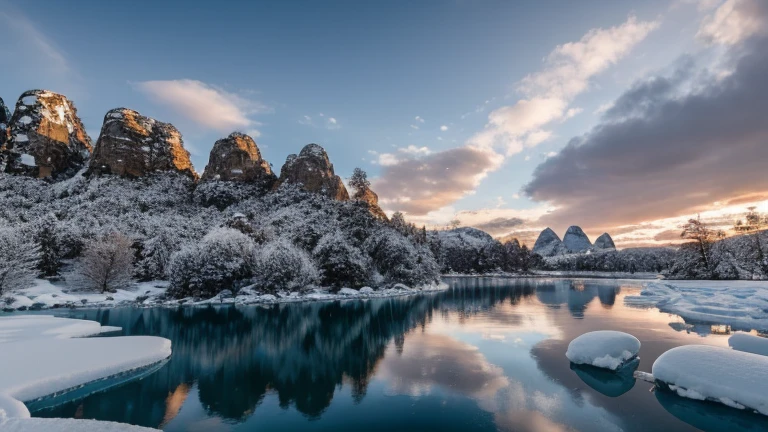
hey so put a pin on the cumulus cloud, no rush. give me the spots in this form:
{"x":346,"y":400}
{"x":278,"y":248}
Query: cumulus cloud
{"x":443,"y":128}
{"x":203,"y":104}
{"x":418,"y":185}
{"x":567,"y":73}
{"x":669,"y":146}
{"x":735,"y":21}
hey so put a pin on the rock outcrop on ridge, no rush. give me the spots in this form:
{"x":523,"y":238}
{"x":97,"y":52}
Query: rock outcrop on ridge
{"x":604,"y":242}
{"x":314,"y":172}
{"x":575,"y":240}
{"x":548,"y":244}
{"x":132,"y":145}
{"x":46,"y":137}
{"x":237,"y":158}
{"x":369,"y":197}
{"x":5,"y":119}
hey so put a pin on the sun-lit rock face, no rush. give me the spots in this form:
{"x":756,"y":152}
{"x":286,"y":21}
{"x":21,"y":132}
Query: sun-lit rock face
{"x":548,"y":244}
{"x":237,"y":158}
{"x":604,"y":242}
{"x":5,"y":119}
{"x":369,"y":197}
{"x":46,"y":138}
{"x":575,"y":240}
{"x":314,"y":172}
{"x":132,"y":145}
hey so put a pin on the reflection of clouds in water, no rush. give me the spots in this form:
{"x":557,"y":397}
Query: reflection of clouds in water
{"x":437,"y":360}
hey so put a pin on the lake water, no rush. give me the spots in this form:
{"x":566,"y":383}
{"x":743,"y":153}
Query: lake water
{"x":485,"y":355}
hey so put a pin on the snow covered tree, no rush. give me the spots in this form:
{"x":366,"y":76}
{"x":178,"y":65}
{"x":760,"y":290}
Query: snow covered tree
{"x":280,"y":265}
{"x":50,"y":248}
{"x":359,"y":182}
{"x":19,"y":257}
{"x":341,"y":264}
{"x":221,"y":259}
{"x":106,"y":264}
{"x":703,"y":237}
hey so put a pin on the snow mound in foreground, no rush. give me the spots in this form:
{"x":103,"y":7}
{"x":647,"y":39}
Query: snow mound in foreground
{"x":606,"y":349}
{"x":749,"y":343}
{"x":733,"y":378}
{"x":79,"y":425}
{"x":42,"y":355}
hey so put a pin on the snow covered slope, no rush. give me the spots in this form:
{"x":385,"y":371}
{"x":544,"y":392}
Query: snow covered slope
{"x":42,"y":355}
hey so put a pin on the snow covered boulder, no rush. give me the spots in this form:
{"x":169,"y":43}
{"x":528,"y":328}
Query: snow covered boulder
{"x":749,"y":343}
{"x":46,"y":137}
{"x":734,"y":378}
{"x":604,"y":349}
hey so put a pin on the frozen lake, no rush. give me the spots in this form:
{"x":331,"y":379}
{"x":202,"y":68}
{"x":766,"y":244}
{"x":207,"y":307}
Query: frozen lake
{"x":485,"y":355}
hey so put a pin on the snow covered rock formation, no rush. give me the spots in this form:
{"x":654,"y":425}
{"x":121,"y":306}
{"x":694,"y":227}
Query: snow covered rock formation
{"x":314,"y":172}
{"x":575,"y":240}
{"x":604,"y":242}
{"x":46,"y":139}
{"x":132,"y":145}
{"x":237,"y":158}
{"x":5,"y":119}
{"x":606,"y":349}
{"x":369,"y":197}
{"x":548,"y":244}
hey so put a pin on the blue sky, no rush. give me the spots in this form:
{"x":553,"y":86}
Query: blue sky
{"x":378,"y":84}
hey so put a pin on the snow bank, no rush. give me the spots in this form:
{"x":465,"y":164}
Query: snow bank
{"x":733,"y":378}
{"x":42,"y":355}
{"x":740,"y":304}
{"x":604,"y":349}
{"x":47,"y":425}
{"x":749,"y":343}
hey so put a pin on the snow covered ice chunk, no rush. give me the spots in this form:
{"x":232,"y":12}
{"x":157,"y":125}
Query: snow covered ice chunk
{"x":604,"y":349}
{"x":42,"y":355}
{"x":734,"y":378}
{"x":749,"y":343}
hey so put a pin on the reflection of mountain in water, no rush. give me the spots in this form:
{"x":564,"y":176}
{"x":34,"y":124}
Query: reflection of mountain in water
{"x":576,"y":294}
{"x":302,"y":352}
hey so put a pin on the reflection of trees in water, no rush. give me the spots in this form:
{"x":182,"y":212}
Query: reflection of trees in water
{"x":302,"y":352}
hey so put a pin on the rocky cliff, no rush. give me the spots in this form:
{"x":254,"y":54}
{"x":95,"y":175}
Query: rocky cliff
{"x":133,"y":145}
{"x":575,"y":240}
{"x":5,"y":119}
{"x":369,"y":197}
{"x":46,"y":137}
{"x":604,"y":242}
{"x":548,"y":244}
{"x":237,"y":158}
{"x":312,"y":169}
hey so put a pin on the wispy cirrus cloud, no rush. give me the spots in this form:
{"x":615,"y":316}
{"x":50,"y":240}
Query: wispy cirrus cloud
{"x":206,"y":105}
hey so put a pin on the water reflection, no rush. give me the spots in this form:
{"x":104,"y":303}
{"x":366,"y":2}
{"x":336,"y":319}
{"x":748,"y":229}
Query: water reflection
{"x":709,"y":416}
{"x":607,"y":382}
{"x":487,"y":354}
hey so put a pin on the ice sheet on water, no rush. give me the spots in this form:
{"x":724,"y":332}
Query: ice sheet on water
{"x":749,"y":343}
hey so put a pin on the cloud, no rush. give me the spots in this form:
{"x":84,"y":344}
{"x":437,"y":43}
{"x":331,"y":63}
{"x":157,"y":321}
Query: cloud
{"x":567,"y":72}
{"x":413,"y":150}
{"x":500,"y":225}
{"x":418,"y":185}
{"x":202,"y":103}
{"x":669,"y":146}
{"x":735,"y":21}
{"x":443,"y":128}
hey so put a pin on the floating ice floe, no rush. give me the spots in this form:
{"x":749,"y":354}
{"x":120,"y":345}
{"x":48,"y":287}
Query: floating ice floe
{"x":749,"y":343}
{"x":740,"y":304}
{"x":734,"y":378}
{"x":43,"y":356}
{"x":606,"y":349}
